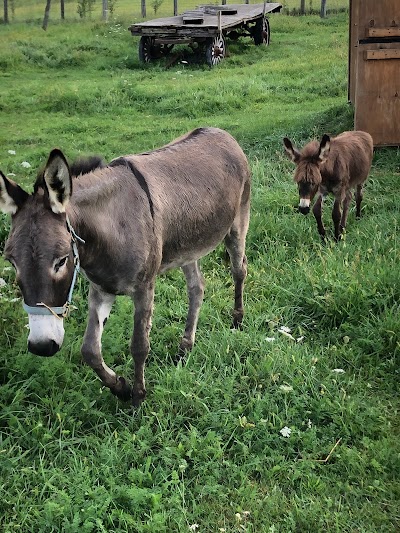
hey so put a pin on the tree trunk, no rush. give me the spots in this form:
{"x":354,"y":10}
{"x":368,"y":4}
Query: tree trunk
{"x":6,"y":21}
{"x":46,"y":15}
{"x":323,"y":9}
{"x":302,"y":7}
{"x":62,"y":9}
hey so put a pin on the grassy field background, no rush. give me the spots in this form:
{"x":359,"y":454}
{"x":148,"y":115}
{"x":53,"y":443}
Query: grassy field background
{"x":205,"y":452}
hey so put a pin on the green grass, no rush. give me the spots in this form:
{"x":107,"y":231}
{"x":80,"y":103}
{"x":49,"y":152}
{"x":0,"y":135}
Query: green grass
{"x":205,"y":448}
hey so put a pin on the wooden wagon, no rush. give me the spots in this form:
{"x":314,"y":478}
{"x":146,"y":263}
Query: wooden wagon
{"x":206,"y":27}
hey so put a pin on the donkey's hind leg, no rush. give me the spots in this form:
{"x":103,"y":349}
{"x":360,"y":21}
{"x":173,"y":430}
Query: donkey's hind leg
{"x":359,"y":197}
{"x":100,"y":304}
{"x":195,"y":290}
{"x":235,"y":242}
{"x":143,"y":298}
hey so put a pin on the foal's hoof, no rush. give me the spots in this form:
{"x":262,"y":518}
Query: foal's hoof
{"x":138,"y":397}
{"x":237,"y":319}
{"x":122,"y":390}
{"x":184,"y":348}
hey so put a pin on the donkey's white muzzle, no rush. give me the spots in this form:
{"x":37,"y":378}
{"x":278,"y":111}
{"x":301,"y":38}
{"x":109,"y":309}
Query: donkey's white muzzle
{"x":46,"y":334}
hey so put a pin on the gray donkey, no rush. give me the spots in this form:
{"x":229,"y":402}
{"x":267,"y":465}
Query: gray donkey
{"x":125,"y":223}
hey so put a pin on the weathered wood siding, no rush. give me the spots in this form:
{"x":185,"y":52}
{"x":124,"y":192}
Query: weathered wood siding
{"x":374,"y":68}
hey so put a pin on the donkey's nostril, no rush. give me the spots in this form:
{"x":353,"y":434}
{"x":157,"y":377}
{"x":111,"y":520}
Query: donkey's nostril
{"x":45,"y":349}
{"x":304,"y":210}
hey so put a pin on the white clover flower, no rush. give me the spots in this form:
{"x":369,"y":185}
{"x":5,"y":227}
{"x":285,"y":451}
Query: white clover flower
{"x":288,"y":335}
{"x":338,"y":370}
{"x":25,"y":164}
{"x":286,"y":388}
{"x":2,"y":283}
{"x":285,"y":329}
{"x":309,"y":424}
{"x":285,"y":432}
{"x":12,"y":152}
{"x":193,"y":527}
{"x":270,"y":339}
{"x":299,"y":339}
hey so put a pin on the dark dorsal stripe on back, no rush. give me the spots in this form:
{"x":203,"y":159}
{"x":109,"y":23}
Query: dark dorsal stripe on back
{"x":122,"y":161}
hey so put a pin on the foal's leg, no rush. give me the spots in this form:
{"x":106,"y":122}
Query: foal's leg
{"x":346,"y":205}
{"x":317,"y":212}
{"x":143,"y":299}
{"x":235,"y":242}
{"x":359,"y":197}
{"x":195,"y":290}
{"x":100,"y":304}
{"x":336,"y":217}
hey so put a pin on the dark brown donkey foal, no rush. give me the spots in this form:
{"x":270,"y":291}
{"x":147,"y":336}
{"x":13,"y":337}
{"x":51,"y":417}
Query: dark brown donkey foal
{"x":125,"y":223}
{"x":335,"y":166}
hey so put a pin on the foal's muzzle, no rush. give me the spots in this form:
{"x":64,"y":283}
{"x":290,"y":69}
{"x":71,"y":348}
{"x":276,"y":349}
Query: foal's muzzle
{"x":44,"y":349}
{"x":304,"y":210}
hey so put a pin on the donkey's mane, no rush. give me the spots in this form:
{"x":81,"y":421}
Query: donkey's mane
{"x":81,"y":165}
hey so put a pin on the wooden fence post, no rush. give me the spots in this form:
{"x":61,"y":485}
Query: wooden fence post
{"x":175,"y":8}
{"x":143,"y":5}
{"x":105,"y":10}
{"x":6,"y":21}
{"x":62,"y":9}
{"x":302,"y":7}
{"x":323,"y":9}
{"x":46,"y":15}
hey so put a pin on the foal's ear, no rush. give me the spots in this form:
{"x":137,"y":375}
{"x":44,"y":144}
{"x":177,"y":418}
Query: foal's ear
{"x":324,"y":147}
{"x":293,"y":154}
{"x":11,"y":195}
{"x":58,"y":181}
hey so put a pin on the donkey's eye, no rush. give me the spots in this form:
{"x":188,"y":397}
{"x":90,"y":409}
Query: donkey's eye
{"x":60,"y":263}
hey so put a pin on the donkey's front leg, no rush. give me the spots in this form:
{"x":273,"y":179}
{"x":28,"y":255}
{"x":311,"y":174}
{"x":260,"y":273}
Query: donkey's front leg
{"x":336,"y":217}
{"x":317,"y":212}
{"x":143,"y":299}
{"x":346,"y":204}
{"x":100,"y":304}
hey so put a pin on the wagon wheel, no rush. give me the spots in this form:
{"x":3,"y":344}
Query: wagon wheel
{"x":146,"y":49}
{"x":261,"y":33}
{"x":215,"y":51}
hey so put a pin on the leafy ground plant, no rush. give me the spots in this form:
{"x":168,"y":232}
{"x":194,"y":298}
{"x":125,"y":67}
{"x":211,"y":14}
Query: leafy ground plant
{"x":290,"y":425}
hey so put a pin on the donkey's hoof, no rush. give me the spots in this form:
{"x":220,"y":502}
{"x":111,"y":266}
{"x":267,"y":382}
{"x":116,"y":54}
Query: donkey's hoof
{"x":122,"y":390}
{"x":138,"y":397}
{"x":184,"y":348}
{"x":237,"y":319}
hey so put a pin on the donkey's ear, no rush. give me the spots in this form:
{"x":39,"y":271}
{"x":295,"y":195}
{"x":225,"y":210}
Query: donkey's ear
{"x":290,"y":150}
{"x":324,"y":147}
{"x":58,"y":180}
{"x":11,"y":195}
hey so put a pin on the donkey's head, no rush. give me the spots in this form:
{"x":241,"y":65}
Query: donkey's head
{"x":39,"y":247}
{"x":307,"y":174}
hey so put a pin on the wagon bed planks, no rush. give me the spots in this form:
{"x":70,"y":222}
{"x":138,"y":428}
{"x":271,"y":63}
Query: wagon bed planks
{"x":244,"y":13}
